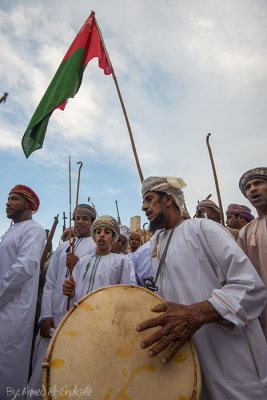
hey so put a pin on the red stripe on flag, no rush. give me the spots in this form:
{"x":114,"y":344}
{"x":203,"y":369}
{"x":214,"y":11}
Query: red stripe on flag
{"x":89,"y":39}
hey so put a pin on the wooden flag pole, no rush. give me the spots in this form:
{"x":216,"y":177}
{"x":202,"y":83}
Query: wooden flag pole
{"x":122,"y":105}
{"x":215,"y":178}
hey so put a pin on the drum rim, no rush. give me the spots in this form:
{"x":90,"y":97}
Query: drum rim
{"x":196,"y":390}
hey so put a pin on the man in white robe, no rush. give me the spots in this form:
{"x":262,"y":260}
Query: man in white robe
{"x":21,"y":249}
{"x":253,"y":237}
{"x":142,"y":262}
{"x":53,"y":301}
{"x":120,"y":246}
{"x":212,"y":293}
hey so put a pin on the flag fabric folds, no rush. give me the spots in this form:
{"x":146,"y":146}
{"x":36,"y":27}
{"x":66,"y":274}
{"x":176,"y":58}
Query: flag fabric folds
{"x":66,"y":82}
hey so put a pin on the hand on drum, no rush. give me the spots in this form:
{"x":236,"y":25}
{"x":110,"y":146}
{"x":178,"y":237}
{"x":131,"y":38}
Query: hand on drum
{"x":45,"y":326}
{"x":69,"y":287}
{"x":71,"y":260}
{"x":178,"y":324}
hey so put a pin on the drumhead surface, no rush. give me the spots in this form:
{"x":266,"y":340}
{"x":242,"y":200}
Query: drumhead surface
{"x":95,"y":352}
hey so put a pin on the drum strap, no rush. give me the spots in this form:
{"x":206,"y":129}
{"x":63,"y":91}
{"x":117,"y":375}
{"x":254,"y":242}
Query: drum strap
{"x":149,"y":282}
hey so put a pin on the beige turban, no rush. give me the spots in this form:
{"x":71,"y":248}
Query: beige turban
{"x":85,"y":209}
{"x":108,"y":222}
{"x":210,"y":204}
{"x":166,"y":184}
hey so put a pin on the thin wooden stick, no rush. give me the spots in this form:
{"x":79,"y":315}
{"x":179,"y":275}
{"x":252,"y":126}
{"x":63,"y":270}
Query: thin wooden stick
{"x":215,"y":179}
{"x":122,"y":105}
{"x":70,"y":202}
{"x":76,"y":207}
{"x":74,"y":229}
{"x":90,"y":201}
{"x":119,"y":220}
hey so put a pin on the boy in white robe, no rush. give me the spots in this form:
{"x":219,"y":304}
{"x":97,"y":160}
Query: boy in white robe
{"x":53,"y":302}
{"x":120,"y":247}
{"x":102,"y":268}
{"x":212,"y":293}
{"x":135,"y":241}
{"x":21,"y":249}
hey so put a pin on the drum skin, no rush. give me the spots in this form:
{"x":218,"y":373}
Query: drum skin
{"x":95,"y":353}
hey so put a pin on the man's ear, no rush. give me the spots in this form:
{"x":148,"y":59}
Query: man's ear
{"x":168,"y":200}
{"x":27,"y":205}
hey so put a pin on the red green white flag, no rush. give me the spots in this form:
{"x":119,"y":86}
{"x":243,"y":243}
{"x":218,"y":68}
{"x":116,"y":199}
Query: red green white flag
{"x":66,"y":82}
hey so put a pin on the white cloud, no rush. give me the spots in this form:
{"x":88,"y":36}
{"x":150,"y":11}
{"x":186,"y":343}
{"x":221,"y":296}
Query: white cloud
{"x":184,"y":69}
{"x":8,"y":141}
{"x":112,"y":191}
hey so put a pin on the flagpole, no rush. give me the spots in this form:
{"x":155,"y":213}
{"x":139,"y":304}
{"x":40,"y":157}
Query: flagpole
{"x":122,"y":104}
{"x":215,"y":178}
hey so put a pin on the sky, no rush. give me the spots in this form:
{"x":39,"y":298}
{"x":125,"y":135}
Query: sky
{"x":184,"y":68}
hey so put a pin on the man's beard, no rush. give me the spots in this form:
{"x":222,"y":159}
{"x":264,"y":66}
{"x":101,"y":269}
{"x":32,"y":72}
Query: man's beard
{"x":160,"y":220}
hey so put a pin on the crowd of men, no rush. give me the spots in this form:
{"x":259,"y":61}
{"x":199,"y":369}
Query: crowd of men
{"x":213,"y":279}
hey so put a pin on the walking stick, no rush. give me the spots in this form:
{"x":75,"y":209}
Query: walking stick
{"x":215,"y":179}
{"x":144,"y":229}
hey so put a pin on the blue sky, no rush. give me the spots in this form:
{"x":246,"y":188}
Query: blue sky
{"x":185,"y":68}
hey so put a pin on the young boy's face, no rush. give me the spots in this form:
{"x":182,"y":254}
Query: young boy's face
{"x":103,"y":238}
{"x":120,"y":245}
{"x":134,"y":243}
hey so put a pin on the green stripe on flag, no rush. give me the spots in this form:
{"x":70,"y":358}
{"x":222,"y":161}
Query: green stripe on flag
{"x":64,"y":85}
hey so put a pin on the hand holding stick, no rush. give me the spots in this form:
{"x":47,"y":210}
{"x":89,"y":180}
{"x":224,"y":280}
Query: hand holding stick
{"x":69,"y":287}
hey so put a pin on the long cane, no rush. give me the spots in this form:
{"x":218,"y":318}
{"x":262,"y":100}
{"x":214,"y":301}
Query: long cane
{"x":144,"y":229}
{"x":74,"y":229}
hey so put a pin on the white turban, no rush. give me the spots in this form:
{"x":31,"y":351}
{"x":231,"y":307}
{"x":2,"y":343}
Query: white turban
{"x":166,"y":184}
{"x":125,"y":231}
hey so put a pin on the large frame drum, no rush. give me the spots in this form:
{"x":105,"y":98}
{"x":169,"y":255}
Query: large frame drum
{"x":95,"y":353}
